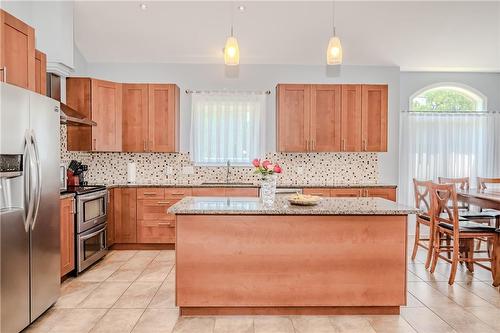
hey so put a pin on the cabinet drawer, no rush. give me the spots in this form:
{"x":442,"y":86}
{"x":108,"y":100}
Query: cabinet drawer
{"x":154,"y":209}
{"x":150,"y":193}
{"x":321,"y":192}
{"x":177,"y":193}
{"x":385,"y":193}
{"x":242,"y":192}
{"x":346,"y":192}
{"x":209,"y":192}
{"x":155,"y":231}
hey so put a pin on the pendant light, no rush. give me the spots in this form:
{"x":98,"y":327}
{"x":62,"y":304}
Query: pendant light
{"x":334,"y":50}
{"x":231,"y":49}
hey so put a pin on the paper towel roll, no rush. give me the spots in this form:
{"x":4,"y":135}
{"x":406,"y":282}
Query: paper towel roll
{"x":131,"y":172}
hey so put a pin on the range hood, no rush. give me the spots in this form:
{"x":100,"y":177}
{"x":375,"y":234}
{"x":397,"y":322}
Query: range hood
{"x":69,"y":115}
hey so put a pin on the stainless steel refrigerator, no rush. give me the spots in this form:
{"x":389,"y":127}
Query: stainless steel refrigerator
{"x":29,"y":206}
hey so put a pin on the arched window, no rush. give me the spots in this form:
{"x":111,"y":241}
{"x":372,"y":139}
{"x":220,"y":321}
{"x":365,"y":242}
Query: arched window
{"x":447,"y":97}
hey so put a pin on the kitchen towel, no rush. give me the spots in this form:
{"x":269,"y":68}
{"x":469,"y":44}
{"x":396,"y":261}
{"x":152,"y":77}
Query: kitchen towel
{"x":131,"y":173}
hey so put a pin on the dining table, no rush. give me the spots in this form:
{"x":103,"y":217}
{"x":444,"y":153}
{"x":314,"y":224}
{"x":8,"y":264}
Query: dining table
{"x":486,"y":199}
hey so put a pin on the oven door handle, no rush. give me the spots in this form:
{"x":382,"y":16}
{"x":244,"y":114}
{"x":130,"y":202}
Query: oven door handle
{"x":83,"y":238}
{"x":92,"y":196}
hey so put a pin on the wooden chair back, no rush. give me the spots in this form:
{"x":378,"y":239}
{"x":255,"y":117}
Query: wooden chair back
{"x":444,"y":200}
{"x":462,"y":183}
{"x":421,"y":189}
{"x":481,"y":182}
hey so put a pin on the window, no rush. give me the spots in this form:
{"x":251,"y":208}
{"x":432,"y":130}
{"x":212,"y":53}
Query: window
{"x":227,"y":127}
{"x":447,"y":97}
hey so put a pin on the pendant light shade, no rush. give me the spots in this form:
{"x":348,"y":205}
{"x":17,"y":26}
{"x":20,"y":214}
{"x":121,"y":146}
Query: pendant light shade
{"x":231,"y":51}
{"x":334,"y":51}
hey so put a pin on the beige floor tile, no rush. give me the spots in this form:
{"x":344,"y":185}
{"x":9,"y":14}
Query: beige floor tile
{"x":459,"y":294}
{"x":490,"y":316}
{"x":484,"y":290}
{"x":47,"y":321}
{"x":351,"y":324}
{"x":461,"y":320}
{"x":105,"y":295}
{"x":390,"y":324}
{"x":74,"y":292}
{"x":150,"y":254}
{"x":100,"y":272}
{"x":273,"y":325}
{"x":462,"y":273}
{"x":137,"y":262}
{"x":118,"y":321}
{"x":155,"y":271}
{"x":166,"y":256}
{"x":157,"y":321}
{"x":411,"y":277}
{"x":120,"y":255}
{"x":428,"y":295}
{"x":312,"y":324}
{"x":78,"y":321}
{"x":412,"y":301}
{"x":424,"y":320}
{"x":165,"y":297}
{"x":138,"y":295}
{"x":233,"y":325}
{"x":126,"y":274}
{"x":195,"y":325}
{"x":424,"y":274}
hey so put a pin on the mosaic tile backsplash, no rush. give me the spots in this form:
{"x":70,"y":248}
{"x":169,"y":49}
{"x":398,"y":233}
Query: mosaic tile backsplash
{"x":177,"y":168}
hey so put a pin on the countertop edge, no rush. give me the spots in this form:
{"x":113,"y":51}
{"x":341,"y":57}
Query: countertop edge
{"x":253,"y":185}
{"x":66,"y":195}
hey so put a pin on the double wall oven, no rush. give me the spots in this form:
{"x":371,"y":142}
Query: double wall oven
{"x":91,"y":223}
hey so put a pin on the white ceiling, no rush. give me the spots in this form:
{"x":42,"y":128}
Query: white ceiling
{"x":413,"y":35}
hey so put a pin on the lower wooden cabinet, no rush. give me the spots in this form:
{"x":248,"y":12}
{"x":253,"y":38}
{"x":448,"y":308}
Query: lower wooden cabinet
{"x":226,"y":192}
{"x":67,"y":235}
{"x":125,"y":215}
{"x":388,"y":193}
{"x":156,"y":231}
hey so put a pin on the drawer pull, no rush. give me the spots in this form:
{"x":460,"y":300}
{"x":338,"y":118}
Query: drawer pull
{"x":150,"y":193}
{"x":163,"y":202}
{"x":318,"y":194}
{"x":169,"y":225}
{"x":177,"y":193}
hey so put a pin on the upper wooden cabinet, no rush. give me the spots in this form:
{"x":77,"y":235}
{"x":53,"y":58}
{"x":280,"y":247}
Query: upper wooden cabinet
{"x":100,"y":101}
{"x":150,"y":118}
{"x":17,"y":54}
{"x":331,"y":118}
{"x":40,"y":72}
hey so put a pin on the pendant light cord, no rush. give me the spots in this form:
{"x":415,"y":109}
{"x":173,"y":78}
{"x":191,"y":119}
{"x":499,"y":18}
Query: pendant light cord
{"x":333,"y":17}
{"x":232,"y":17}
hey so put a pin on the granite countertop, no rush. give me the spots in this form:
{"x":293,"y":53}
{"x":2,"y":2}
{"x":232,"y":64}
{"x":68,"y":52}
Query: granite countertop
{"x":252,"y":185}
{"x":66,"y":195}
{"x":281,"y":206}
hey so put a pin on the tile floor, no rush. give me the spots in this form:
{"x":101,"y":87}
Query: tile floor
{"x":133,"y":291}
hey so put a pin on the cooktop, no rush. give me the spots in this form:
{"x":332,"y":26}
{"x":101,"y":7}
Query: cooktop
{"x":82,"y":189}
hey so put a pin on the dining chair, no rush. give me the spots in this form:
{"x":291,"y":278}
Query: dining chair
{"x":422,"y":202}
{"x":462,"y":232}
{"x":462,"y":183}
{"x":483,"y":182}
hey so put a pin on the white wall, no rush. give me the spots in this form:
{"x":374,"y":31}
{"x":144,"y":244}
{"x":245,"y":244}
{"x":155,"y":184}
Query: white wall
{"x":261,"y":77}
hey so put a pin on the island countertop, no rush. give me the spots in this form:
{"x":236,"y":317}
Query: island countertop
{"x":281,"y":206}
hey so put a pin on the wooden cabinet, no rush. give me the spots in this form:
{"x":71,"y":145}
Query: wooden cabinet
{"x":374,"y":117}
{"x":110,"y":231}
{"x":40,"y":72}
{"x":381,"y":192}
{"x":150,"y":118}
{"x":226,"y":192}
{"x":125,"y":209}
{"x":346,"y":192}
{"x":388,"y":193}
{"x":331,"y":118}
{"x":209,"y":192}
{"x":67,"y":235}
{"x":100,"y":101}
{"x":17,"y":54}
{"x":320,"y":192}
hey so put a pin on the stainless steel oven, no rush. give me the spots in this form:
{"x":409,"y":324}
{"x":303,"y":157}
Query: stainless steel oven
{"x":92,"y":209}
{"x":91,"y":246}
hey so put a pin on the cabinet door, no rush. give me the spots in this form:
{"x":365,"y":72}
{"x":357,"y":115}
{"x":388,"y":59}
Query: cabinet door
{"x":346,"y":192}
{"x":107,"y":113}
{"x":325,"y":117}
{"x":163,"y":118}
{"x":386,"y":193}
{"x":321,"y":192}
{"x":67,"y":236}
{"x":78,"y":95}
{"x":111,"y":218}
{"x":17,"y":53}
{"x":154,"y":210}
{"x":40,"y":72}
{"x":293,"y":117}
{"x":151,"y":231}
{"x":125,"y":215}
{"x":209,"y":192}
{"x":135,"y":117}
{"x":351,"y":118}
{"x":374,"y":118}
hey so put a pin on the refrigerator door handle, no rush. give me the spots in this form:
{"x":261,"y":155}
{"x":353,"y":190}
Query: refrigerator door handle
{"x":28,"y":165}
{"x":38,"y":188}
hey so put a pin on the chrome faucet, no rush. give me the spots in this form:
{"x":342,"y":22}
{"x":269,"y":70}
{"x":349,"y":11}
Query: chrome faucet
{"x":228,"y":165}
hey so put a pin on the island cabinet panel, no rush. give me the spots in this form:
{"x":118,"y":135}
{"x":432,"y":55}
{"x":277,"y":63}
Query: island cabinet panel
{"x":40,"y":72}
{"x":293,"y":117}
{"x":347,"y":262}
{"x":325,"y":117}
{"x":110,"y":232}
{"x":351,"y":137}
{"x":135,"y":118}
{"x":164,"y":118}
{"x":374,"y":118}
{"x":17,"y":53}
{"x":67,"y":235}
{"x":125,"y":210}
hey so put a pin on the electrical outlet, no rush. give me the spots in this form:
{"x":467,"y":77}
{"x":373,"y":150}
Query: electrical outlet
{"x":187,"y":170}
{"x":169,"y":171}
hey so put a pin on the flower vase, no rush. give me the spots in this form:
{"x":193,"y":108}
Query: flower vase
{"x":268,"y":189}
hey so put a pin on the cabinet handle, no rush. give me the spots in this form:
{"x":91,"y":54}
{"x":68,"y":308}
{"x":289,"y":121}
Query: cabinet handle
{"x":343,"y":144}
{"x":177,"y":193}
{"x":145,"y":148}
{"x":149,"y":193}
{"x":4,"y":73}
{"x":364,"y":145}
{"x":169,"y":225}
{"x":150,"y":144}
{"x":163,"y":202}
{"x":73,"y":208}
{"x":313,"y":144}
{"x":308,"y":145}
{"x":317,"y":194}
{"x":94,"y":144}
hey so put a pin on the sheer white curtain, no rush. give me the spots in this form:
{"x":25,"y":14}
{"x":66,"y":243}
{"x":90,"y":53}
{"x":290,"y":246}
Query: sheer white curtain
{"x":447,"y":145}
{"x":227,"y":126}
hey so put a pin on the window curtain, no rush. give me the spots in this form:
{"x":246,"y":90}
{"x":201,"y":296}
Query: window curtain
{"x":447,"y":145}
{"x":227,"y":127}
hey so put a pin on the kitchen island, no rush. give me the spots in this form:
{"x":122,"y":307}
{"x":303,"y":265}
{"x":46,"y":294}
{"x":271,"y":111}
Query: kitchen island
{"x":236,"y":256}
